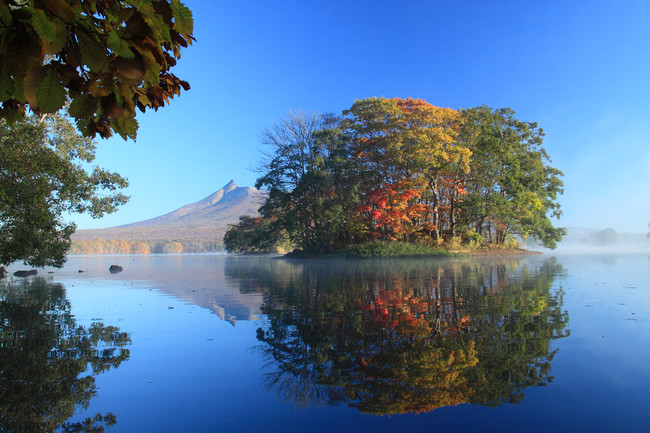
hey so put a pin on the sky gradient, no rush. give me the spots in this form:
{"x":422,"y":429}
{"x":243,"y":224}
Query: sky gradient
{"x":578,"y":69}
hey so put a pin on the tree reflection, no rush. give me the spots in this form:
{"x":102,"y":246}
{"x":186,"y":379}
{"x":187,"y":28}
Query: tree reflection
{"x":48,"y":362}
{"x":402,"y":336}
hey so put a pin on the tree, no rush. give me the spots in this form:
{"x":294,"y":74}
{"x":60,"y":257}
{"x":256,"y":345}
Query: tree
{"x":405,"y":170}
{"x":403,"y":147}
{"x":303,"y":200}
{"x":43,"y":176}
{"x":511,"y":188}
{"x":109,"y":57}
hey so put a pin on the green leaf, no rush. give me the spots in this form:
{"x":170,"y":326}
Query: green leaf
{"x":57,"y":45}
{"x":92,"y":52}
{"x":51,"y":93}
{"x":119,"y":46}
{"x":126,"y":126}
{"x":83,"y":106}
{"x":6,"y":83}
{"x":183,"y":21}
{"x":32,"y":82}
{"x":45,"y":28}
{"x":5,"y":14}
{"x":113,"y":41}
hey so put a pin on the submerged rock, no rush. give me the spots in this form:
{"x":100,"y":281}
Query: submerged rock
{"x":115,"y":269}
{"x":24,"y":274}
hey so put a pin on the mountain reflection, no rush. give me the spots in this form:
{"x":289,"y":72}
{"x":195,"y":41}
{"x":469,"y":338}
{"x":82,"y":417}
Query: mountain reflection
{"x":391,"y":337}
{"x":48,"y":362}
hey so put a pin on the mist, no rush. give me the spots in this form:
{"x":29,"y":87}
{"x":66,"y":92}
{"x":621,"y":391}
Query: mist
{"x":581,"y":240}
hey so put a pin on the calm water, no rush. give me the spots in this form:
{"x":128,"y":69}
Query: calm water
{"x":249,"y":344}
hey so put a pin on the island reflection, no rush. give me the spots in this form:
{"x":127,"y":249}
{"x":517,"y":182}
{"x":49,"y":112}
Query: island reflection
{"x":48,"y":362}
{"x":391,"y":337}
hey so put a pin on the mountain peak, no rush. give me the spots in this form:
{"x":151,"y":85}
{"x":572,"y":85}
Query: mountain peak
{"x":229,"y":186}
{"x":228,"y":203}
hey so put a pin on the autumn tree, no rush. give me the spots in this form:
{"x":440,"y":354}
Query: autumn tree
{"x":405,"y":170}
{"x":404,"y":147}
{"x":43,"y":175}
{"x":109,"y":57}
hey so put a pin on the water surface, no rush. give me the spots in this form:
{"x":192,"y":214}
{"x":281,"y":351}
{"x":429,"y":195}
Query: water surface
{"x":220,"y":343}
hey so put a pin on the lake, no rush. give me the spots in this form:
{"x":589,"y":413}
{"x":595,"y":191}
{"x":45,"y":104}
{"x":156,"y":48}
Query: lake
{"x":208,"y":343}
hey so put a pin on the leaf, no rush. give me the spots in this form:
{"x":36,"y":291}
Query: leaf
{"x":57,"y":45}
{"x":119,"y":46}
{"x":32,"y":83}
{"x":83,"y":105}
{"x":51,"y":93}
{"x":5,"y":14}
{"x":126,"y":126}
{"x":6,"y":83}
{"x":45,"y":28}
{"x":132,"y":69}
{"x":92,"y":52}
{"x":183,"y":21}
{"x":102,"y":86}
{"x":62,"y":9}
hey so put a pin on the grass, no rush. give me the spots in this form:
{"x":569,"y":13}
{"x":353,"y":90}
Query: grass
{"x":392,"y":249}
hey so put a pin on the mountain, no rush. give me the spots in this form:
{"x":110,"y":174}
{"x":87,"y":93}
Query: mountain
{"x":227,"y":204}
{"x":204,"y":220}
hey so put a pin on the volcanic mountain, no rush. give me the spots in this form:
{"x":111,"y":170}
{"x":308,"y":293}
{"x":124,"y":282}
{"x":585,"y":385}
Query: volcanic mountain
{"x":205,"y":220}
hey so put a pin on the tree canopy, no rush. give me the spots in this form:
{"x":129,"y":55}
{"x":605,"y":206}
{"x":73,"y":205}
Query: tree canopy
{"x":109,"y":57}
{"x":405,"y":170}
{"x":43,"y":175}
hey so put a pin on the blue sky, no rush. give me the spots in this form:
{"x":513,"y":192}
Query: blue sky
{"x":580,"y":69}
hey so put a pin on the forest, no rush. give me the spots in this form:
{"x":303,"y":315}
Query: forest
{"x":121,"y":246}
{"x":402,"y":172}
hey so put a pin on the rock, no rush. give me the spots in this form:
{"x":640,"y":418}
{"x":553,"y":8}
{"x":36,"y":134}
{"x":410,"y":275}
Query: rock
{"x":24,"y":274}
{"x":115,"y":269}
{"x":80,"y":271}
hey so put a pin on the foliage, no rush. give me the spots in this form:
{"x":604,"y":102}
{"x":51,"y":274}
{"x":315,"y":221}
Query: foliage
{"x":302,"y":176}
{"x":405,"y":150}
{"x":510,"y":188}
{"x":391,"y":249}
{"x":120,"y":246}
{"x":42,"y":176}
{"x":251,"y":235}
{"x":109,"y":57}
{"x":403,"y":170}
{"x":48,"y":362}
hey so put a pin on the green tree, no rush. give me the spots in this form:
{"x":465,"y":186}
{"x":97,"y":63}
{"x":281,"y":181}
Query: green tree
{"x":305,"y":195}
{"x":43,"y":176}
{"x":109,"y":57}
{"x":511,"y":188}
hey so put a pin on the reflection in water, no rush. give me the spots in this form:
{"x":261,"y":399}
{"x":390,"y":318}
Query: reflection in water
{"x":403,"y":336}
{"x":48,"y":362}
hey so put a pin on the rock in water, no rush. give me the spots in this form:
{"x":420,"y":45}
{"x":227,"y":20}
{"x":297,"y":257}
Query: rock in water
{"x":114,"y":269}
{"x":24,"y":274}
